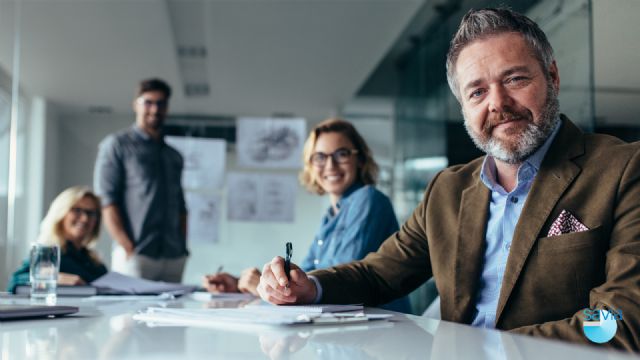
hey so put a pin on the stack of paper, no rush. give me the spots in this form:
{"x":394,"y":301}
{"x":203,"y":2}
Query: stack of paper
{"x":117,"y":284}
{"x":259,"y":315}
{"x":304,"y":309}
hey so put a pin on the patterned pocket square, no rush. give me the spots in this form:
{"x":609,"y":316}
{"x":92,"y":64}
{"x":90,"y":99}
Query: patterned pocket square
{"x":566,"y":223}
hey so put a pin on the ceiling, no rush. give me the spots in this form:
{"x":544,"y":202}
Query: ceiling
{"x":254,"y":57}
{"x":257,"y":57}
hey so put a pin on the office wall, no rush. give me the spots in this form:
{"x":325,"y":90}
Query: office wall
{"x":35,"y":171}
{"x":51,"y":168}
{"x":241,"y":244}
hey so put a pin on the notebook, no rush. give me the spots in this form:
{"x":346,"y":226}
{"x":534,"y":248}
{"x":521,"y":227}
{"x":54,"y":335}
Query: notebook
{"x":113,"y":283}
{"x":61,"y":290}
{"x":16,"y":312}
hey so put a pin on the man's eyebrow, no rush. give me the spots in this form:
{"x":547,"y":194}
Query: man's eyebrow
{"x":507,"y":72}
{"x":515,"y":69}
{"x":472,"y":84}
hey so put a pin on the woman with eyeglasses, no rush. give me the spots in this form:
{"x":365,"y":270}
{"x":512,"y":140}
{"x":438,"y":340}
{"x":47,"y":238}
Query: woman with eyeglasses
{"x":338,"y":163}
{"x":72,"y":223}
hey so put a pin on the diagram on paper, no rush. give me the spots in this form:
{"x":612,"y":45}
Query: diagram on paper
{"x":204,"y":217}
{"x":261,"y":197}
{"x":204,"y":161}
{"x":270,"y":142}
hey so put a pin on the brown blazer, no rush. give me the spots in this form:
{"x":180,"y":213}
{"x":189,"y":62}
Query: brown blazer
{"x":548,"y":281}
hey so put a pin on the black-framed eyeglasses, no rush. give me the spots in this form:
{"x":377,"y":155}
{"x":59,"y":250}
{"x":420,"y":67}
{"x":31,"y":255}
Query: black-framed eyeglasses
{"x":78,"y":211}
{"x":340,"y":156}
{"x":147,"y":103}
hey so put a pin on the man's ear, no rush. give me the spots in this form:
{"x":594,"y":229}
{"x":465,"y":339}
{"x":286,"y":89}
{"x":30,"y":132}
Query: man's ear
{"x":554,"y":75}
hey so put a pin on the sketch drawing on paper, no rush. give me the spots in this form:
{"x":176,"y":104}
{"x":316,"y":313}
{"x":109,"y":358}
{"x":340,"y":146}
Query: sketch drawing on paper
{"x":192,"y":161}
{"x":275,"y":144}
{"x":270,"y":143}
{"x":204,"y":161}
{"x":204,"y":217}
{"x":243,"y":195}
{"x":261,"y":197}
{"x":275,"y":199}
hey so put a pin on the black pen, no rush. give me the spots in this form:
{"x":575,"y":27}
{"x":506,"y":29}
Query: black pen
{"x":287,"y":262}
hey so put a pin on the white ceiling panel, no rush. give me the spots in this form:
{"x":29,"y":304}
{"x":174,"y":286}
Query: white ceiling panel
{"x":300,"y":57}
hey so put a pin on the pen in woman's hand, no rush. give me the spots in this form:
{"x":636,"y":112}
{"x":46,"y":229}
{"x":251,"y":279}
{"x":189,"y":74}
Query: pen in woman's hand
{"x":287,"y":262}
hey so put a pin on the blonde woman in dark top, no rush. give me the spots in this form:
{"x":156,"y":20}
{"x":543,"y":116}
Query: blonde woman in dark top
{"x":72,"y":223}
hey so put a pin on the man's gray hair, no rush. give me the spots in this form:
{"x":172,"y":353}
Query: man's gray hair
{"x":481,"y":24}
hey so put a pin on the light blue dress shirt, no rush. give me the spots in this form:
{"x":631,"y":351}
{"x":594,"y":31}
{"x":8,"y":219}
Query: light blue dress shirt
{"x":504,"y":212}
{"x":364,"y":221}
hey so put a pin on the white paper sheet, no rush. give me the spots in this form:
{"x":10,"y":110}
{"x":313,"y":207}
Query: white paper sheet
{"x":204,"y":217}
{"x":261,"y":197}
{"x":223,"y":315}
{"x":247,"y":317}
{"x":304,"y":309}
{"x":204,"y":161}
{"x":270,"y":142}
{"x":207,"y":296}
{"x":131,"y":285}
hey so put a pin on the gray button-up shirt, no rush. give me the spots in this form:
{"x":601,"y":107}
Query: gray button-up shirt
{"x":142,"y":178}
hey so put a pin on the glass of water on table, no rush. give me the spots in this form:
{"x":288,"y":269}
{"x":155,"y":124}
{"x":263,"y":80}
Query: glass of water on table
{"x":43,"y":273}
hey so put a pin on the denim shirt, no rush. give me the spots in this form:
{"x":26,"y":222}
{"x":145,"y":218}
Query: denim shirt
{"x":504,"y":211}
{"x":364,"y":221}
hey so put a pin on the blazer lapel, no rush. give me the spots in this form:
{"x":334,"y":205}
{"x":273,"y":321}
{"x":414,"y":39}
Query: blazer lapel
{"x":470,"y":248}
{"x":556,"y":173}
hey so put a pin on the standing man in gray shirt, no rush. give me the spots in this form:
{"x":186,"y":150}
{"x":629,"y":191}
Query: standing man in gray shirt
{"x":138,"y":175}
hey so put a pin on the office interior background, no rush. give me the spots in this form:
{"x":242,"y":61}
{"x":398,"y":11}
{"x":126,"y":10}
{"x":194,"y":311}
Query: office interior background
{"x":68,"y":69}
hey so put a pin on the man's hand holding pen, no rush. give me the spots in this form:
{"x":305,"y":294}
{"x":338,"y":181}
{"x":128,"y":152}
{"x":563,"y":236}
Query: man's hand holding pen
{"x":278,"y":288}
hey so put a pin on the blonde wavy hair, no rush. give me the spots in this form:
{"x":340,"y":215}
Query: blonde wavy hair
{"x":367,"y":167}
{"x":51,"y":232}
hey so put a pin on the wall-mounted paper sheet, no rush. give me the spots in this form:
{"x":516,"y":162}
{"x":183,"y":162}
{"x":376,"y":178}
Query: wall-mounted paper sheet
{"x":261,"y":197}
{"x":204,"y":217}
{"x":270,"y":142}
{"x":204,"y":161}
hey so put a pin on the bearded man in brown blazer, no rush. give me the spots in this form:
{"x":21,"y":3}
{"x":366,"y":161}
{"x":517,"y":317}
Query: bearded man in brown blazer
{"x":525,"y":238}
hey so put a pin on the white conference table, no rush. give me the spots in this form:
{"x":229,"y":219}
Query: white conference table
{"x":105,"y":329}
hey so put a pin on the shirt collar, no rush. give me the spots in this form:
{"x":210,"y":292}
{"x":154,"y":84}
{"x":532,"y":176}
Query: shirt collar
{"x":143,"y":134}
{"x":345,"y":196}
{"x":488,"y":172}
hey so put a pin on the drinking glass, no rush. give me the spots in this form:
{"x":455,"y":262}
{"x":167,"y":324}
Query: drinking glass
{"x":43,"y":273}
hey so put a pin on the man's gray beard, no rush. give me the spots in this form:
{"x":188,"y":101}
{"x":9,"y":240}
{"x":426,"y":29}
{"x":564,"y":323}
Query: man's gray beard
{"x":529,"y":141}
